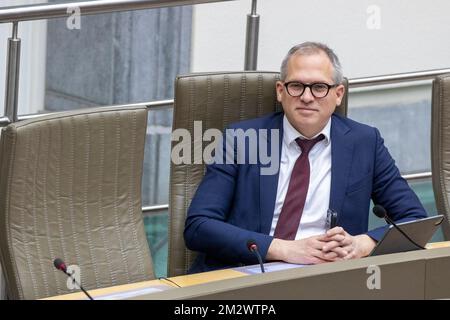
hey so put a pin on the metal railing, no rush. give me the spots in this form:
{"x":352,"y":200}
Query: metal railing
{"x":159,"y":207}
{"x":417,"y":176}
{"x":153,"y":105}
{"x":251,"y":45}
{"x":353,"y":83}
{"x":396,"y":78}
{"x":61,"y":10}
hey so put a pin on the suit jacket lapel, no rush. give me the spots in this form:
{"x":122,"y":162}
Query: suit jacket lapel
{"x":269,"y":183}
{"x":341,"y":159}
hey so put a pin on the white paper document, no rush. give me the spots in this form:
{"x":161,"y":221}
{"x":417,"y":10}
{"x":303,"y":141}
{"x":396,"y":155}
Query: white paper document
{"x":129,"y":294}
{"x":269,"y":267}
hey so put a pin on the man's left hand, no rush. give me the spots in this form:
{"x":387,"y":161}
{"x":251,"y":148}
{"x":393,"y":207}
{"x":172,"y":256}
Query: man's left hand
{"x":347,"y":246}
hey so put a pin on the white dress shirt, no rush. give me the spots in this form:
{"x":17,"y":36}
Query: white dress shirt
{"x":313,"y":220}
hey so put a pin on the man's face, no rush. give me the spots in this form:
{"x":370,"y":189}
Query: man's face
{"x":308,"y":114}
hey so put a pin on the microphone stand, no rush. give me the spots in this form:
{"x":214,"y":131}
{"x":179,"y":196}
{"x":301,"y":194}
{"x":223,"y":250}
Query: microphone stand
{"x":79,"y":285}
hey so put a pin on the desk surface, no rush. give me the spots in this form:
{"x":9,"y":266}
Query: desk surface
{"x":144,"y":288}
{"x":435,"y":245}
{"x":139,"y":288}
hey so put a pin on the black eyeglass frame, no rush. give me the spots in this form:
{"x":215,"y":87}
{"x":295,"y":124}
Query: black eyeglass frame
{"x":329,"y":86}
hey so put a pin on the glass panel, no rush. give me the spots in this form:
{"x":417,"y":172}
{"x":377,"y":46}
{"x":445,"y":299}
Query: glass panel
{"x":402,"y":113}
{"x":116,"y":58}
{"x":155,"y":181}
{"x":156,"y":229}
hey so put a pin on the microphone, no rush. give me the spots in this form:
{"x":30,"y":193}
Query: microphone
{"x":380,"y":212}
{"x":253,"y":247}
{"x":61,"y":265}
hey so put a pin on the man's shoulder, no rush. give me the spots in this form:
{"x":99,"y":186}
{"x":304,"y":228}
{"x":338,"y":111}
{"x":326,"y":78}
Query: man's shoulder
{"x":268,"y":121}
{"x":353,"y":125}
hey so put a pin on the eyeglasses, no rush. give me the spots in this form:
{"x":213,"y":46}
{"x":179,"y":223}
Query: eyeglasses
{"x":318,"y":89}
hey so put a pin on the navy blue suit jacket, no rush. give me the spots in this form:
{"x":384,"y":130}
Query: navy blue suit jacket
{"x":234,"y":203}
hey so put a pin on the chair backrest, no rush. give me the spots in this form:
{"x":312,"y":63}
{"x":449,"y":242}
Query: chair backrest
{"x":71,"y":188}
{"x":440,"y":148}
{"x":216,"y":99}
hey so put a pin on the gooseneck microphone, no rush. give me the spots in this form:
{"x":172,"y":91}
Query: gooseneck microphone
{"x":380,"y":212}
{"x":253,"y":247}
{"x":60,"y":265}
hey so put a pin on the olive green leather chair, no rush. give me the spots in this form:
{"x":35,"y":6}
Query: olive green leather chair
{"x":440,"y":148}
{"x":216,"y":99}
{"x":70,"y":187}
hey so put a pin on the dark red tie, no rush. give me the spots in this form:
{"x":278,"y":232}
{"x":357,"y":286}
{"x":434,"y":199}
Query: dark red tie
{"x":294,"y":202}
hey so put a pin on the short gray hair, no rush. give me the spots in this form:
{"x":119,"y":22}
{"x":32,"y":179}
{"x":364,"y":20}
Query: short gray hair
{"x":307,"y":48}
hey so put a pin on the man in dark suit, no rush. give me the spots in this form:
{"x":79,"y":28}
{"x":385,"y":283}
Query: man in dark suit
{"x":326,"y":162}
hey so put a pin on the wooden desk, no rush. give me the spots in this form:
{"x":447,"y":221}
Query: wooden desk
{"x":421,"y":274}
{"x":104,"y":292}
{"x":223,"y":284}
{"x":153,"y":285}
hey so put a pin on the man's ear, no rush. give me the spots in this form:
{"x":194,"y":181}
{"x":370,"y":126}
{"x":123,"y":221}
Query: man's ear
{"x":340,"y":91}
{"x":279,"y":87}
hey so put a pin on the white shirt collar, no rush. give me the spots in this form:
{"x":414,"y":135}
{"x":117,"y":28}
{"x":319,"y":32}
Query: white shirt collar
{"x":290,"y":133}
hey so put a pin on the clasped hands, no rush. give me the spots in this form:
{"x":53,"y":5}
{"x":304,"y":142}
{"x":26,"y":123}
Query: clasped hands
{"x":335,"y":245}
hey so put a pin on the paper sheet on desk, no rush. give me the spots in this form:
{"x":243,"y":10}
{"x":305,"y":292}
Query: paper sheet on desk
{"x":269,"y":267}
{"x":129,"y":294}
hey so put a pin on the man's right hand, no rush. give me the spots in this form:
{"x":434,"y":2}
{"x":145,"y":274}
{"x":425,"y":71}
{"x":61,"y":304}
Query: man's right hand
{"x":304,"y":251}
